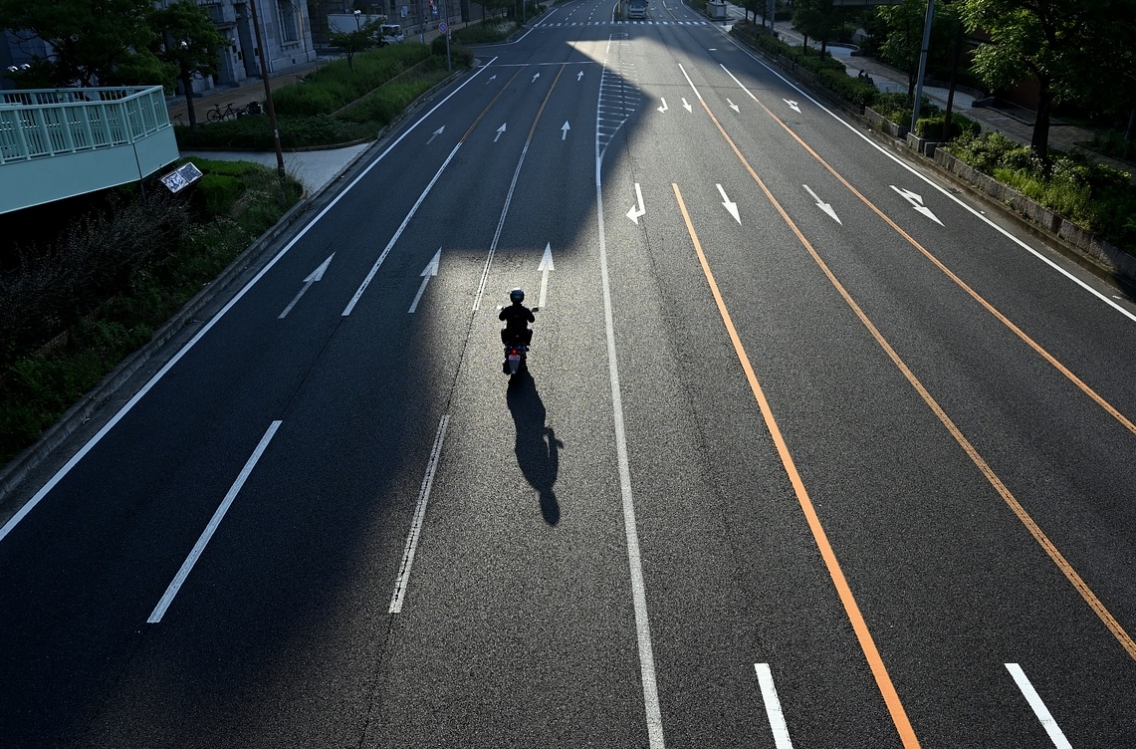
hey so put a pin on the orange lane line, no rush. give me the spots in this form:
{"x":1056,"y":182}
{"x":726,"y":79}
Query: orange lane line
{"x":867,"y":644}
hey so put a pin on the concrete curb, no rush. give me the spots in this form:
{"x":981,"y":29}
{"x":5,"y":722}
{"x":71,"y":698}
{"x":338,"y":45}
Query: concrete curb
{"x":16,"y":470}
{"x":1074,"y":242}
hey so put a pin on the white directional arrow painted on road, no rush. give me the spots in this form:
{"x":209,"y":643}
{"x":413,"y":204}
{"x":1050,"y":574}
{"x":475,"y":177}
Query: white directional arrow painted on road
{"x":733,"y":106}
{"x":428,"y":272}
{"x":315,"y":275}
{"x":916,"y":201}
{"x":580,"y":76}
{"x":686,"y":105}
{"x":545,"y":266}
{"x":664,"y":107}
{"x":823,"y":205}
{"x":564,"y":130}
{"x":534,"y":78}
{"x":436,"y":134}
{"x":500,"y":132}
{"x":730,"y":206}
{"x":637,"y":210}
{"x":491,"y":78}
{"x":792,"y":105}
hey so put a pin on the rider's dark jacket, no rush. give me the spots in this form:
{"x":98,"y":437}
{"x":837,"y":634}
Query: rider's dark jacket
{"x":517,"y":317}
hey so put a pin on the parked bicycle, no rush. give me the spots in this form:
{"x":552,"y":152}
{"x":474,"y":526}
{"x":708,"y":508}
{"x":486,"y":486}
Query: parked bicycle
{"x":216,"y":114}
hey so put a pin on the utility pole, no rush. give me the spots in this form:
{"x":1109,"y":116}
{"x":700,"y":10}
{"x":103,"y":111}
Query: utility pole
{"x":922,"y":63}
{"x":268,"y":93}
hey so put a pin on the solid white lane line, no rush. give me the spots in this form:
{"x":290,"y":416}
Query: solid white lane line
{"x":62,"y":472}
{"x":402,"y":227}
{"x":946,"y":193}
{"x":773,"y":706}
{"x":419,"y":515}
{"x":207,"y":534}
{"x":1039,"y":708}
{"x":638,"y":588}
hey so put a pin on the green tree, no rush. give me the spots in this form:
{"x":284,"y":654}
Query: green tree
{"x":902,"y":28}
{"x":104,"y":42}
{"x":1056,"y":43}
{"x":189,"y":43}
{"x":820,"y":19}
{"x":351,"y":43}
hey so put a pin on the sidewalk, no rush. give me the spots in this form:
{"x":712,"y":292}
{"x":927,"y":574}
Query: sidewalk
{"x":314,"y":169}
{"x":1010,"y":120}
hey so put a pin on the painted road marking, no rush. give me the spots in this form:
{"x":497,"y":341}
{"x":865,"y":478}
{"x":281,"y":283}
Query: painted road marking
{"x":851,"y":608}
{"x":1024,"y":517}
{"x":634,"y":559}
{"x":773,"y":706}
{"x":207,"y":534}
{"x":1039,"y":708}
{"x":403,"y":576}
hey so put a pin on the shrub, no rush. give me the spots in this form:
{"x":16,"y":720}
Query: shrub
{"x":931,"y":128}
{"x":486,"y":32}
{"x":219,"y":192}
{"x":855,"y":90}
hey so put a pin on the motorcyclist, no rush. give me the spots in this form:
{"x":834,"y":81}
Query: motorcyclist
{"x":517,"y":317}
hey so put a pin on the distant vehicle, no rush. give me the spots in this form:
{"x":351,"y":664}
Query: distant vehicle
{"x":636,"y":9}
{"x":390,"y":33}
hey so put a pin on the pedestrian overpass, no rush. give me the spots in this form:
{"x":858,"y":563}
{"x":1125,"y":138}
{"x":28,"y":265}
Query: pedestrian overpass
{"x":59,"y":143}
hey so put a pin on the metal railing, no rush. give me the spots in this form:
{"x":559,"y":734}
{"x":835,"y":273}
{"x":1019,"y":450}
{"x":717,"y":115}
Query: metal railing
{"x":37,"y":123}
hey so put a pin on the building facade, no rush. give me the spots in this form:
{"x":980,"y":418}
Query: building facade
{"x":284,"y":25}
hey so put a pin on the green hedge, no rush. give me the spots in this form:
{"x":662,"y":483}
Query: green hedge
{"x":931,"y":128}
{"x":1094,"y":196}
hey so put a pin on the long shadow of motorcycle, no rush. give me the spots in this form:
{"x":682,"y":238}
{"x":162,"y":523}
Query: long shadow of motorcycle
{"x":537,"y":449}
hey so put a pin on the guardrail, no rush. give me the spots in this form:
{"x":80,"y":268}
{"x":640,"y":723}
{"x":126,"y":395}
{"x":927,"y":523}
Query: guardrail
{"x":38,"y":123}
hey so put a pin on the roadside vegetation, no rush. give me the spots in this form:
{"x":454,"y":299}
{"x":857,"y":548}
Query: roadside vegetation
{"x":73,"y":307}
{"x":338,"y":103}
{"x":1097,"y":197}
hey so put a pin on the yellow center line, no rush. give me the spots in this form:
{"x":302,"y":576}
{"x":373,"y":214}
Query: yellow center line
{"x":489,"y":106}
{"x":1066,"y":568}
{"x":1084,"y":387}
{"x":859,"y":626}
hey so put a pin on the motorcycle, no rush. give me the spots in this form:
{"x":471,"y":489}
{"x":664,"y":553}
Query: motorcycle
{"x":516,"y":351}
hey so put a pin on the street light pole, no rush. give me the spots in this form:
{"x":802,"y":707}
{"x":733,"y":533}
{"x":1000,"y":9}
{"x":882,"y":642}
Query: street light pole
{"x":922,"y":63}
{"x":268,"y":93}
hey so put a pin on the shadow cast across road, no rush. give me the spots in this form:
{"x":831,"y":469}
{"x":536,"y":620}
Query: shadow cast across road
{"x":537,"y":449}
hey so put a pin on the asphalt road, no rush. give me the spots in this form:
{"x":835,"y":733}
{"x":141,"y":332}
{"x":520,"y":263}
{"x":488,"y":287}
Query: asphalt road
{"x":811,"y":452}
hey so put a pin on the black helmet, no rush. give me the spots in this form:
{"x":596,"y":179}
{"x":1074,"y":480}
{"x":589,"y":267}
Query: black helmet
{"x":517,"y":295}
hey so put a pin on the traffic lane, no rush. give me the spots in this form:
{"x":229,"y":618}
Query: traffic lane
{"x":328,"y":528}
{"x":517,"y":626}
{"x":1086,"y":620}
{"x":152,"y":424}
{"x":705,"y":547}
{"x":1073,"y":325}
{"x":989,"y":381}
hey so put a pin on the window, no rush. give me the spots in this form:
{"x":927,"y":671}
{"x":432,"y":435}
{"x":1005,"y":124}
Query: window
{"x":289,"y":27}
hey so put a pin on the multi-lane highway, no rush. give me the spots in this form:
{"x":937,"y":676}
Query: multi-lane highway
{"x":812,"y":454}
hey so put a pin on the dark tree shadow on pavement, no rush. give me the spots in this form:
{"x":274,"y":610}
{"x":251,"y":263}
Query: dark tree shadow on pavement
{"x":537,"y":449}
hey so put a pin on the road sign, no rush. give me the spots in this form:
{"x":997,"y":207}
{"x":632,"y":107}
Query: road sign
{"x":443,"y":27}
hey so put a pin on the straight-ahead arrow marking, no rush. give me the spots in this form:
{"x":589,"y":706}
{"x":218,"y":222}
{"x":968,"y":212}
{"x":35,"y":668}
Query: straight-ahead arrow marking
{"x":428,"y":272}
{"x":730,"y":205}
{"x":545,"y":266}
{"x":436,"y":134}
{"x":535,"y":77}
{"x":823,"y":205}
{"x":664,"y":107}
{"x":580,"y":76}
{"x":792,"y":105}
{"x":500,"y":131}
{"x":686,"y":105}
{"x":564,"y":130}
{"x":315,"y":275}
{"x":916,"y":201}
{"x":733,"y":106}
{"x":637,"y":210}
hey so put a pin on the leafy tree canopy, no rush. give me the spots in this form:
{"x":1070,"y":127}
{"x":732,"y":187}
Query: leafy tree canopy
{"x":93,"y":42}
